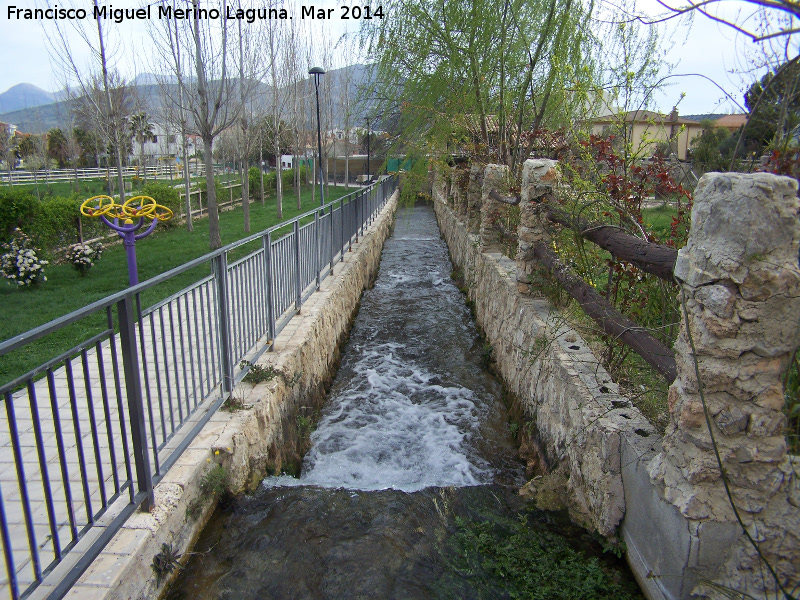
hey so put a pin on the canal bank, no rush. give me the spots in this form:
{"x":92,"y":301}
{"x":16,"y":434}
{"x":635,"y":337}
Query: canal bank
{"x":410,"y":489}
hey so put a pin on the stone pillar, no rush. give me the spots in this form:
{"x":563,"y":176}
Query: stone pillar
{"x":740,"y":278}
{"x":474,"y":191}
{"x":458,"y":199}
{"x":440,"y":186}
{"x":495,"y":177}
{"x":539,"y":177}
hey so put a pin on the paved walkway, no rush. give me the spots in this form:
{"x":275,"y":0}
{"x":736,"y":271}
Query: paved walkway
{"x":85,"y":399}
{"x":65,"y":440}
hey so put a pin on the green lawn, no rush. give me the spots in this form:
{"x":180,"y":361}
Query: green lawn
{"x":659,"y":218}
{"x":65,"y":291}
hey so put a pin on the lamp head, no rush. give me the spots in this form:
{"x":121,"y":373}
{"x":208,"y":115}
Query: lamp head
{"x":316,"y":71}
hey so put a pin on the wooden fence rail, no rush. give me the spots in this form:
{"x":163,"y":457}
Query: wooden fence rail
{"x":613,"y":322}
{"x":657,"y":259}
{"x":648,"y":256}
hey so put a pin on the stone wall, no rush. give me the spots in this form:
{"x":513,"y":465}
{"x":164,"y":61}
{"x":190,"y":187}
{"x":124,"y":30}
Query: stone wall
{"x":578,"y":412}
{"x":247,"y":442}
{"x":741,"y":282}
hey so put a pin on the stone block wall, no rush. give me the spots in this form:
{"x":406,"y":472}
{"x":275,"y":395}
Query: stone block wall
{"x":579,"y":414}
{"x":741,"y":283}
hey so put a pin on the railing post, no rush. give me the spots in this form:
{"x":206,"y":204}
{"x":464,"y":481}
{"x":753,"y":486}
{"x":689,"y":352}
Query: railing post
{"x":330,"y":237}
{"x":341,"y":230}
{"x":357,"y":215}
{"x":133,"y":388}
{"x":317,"y":246}
{"x":361,"y":213}
{"x":267,"y":243}
{"x":220,"y":266}
{"x":351,"y":222}
{"x":298,"y":283}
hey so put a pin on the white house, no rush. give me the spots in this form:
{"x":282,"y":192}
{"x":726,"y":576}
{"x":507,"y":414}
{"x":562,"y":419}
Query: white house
{"x":287,"y":161}
{"x":164,"y":146}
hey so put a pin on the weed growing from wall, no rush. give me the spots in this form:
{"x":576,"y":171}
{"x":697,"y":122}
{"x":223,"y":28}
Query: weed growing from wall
{"x":258,"y":373}
{"x":165,"y":562}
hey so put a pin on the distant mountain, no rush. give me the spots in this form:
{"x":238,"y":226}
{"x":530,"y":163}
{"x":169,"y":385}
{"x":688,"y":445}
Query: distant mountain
{"x":145,"y":79}
{"x":44,"y":117}
{"x":52,"y":110}
{"x":24,"y":95}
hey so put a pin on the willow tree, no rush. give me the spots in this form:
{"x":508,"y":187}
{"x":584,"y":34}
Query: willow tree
{"x":480,"y":74}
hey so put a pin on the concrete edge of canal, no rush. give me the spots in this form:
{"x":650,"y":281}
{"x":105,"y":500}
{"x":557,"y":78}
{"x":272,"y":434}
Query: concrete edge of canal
{"x":249,"y":443}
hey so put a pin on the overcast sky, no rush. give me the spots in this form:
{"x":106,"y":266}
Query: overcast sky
{"x":708,"y":48}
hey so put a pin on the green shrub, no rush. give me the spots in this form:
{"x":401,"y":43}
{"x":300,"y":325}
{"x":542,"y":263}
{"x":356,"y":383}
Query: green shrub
{"x":254,"y":175}
{"x":222,"y":193}
{"x":269,"y":182}
{"x":216,"y":482}
{"x":287,"y":179}
{"x":165,"y":195}
{"x":58,"y":223}
{"x":18,"y":209}
{"x":55,"y":222}
{"x":258,"y":373}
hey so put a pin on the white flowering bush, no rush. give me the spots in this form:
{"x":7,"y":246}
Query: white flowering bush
{"x":20,"y":263}
{"x":83,"y":256}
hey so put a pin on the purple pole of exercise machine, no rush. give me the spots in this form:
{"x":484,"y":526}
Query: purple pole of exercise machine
{"x":128,"y":234}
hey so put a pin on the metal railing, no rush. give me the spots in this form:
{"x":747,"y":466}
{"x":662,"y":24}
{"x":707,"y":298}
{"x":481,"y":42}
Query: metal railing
{"x":88,"y":434}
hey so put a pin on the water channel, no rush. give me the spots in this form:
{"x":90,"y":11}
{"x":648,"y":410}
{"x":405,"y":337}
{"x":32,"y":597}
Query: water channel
{"x":410,"y":487}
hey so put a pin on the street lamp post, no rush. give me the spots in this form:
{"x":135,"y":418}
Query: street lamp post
{"x":317,"y":72}
{"x":368,"y":175}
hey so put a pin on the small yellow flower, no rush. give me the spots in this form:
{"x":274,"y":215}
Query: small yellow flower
{"x":216,"y":452}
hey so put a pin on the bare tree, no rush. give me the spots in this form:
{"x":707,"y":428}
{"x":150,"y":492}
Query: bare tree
{"x":8,"y":147}
{"x":103,"y":93}
{"x":297,"y":115}
{"x":346,"y":101}
{"x":208,"y":95}
{"x":174,"y":108}
{"x":743,"y":22}
{"x":274,"y":40}
{"x":249,"y":77}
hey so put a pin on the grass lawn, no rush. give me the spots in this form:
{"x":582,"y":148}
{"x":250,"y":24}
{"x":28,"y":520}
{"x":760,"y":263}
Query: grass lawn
{"x":660,"y":218}
{"x":65,"y":291}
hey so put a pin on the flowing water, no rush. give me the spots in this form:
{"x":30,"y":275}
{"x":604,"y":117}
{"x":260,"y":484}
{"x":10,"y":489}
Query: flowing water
{"x":412,"y":472}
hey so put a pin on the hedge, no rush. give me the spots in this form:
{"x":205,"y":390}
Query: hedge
{"x":54,"y":222}
{"x":165,"y":195}
{"x":270,"y":179}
